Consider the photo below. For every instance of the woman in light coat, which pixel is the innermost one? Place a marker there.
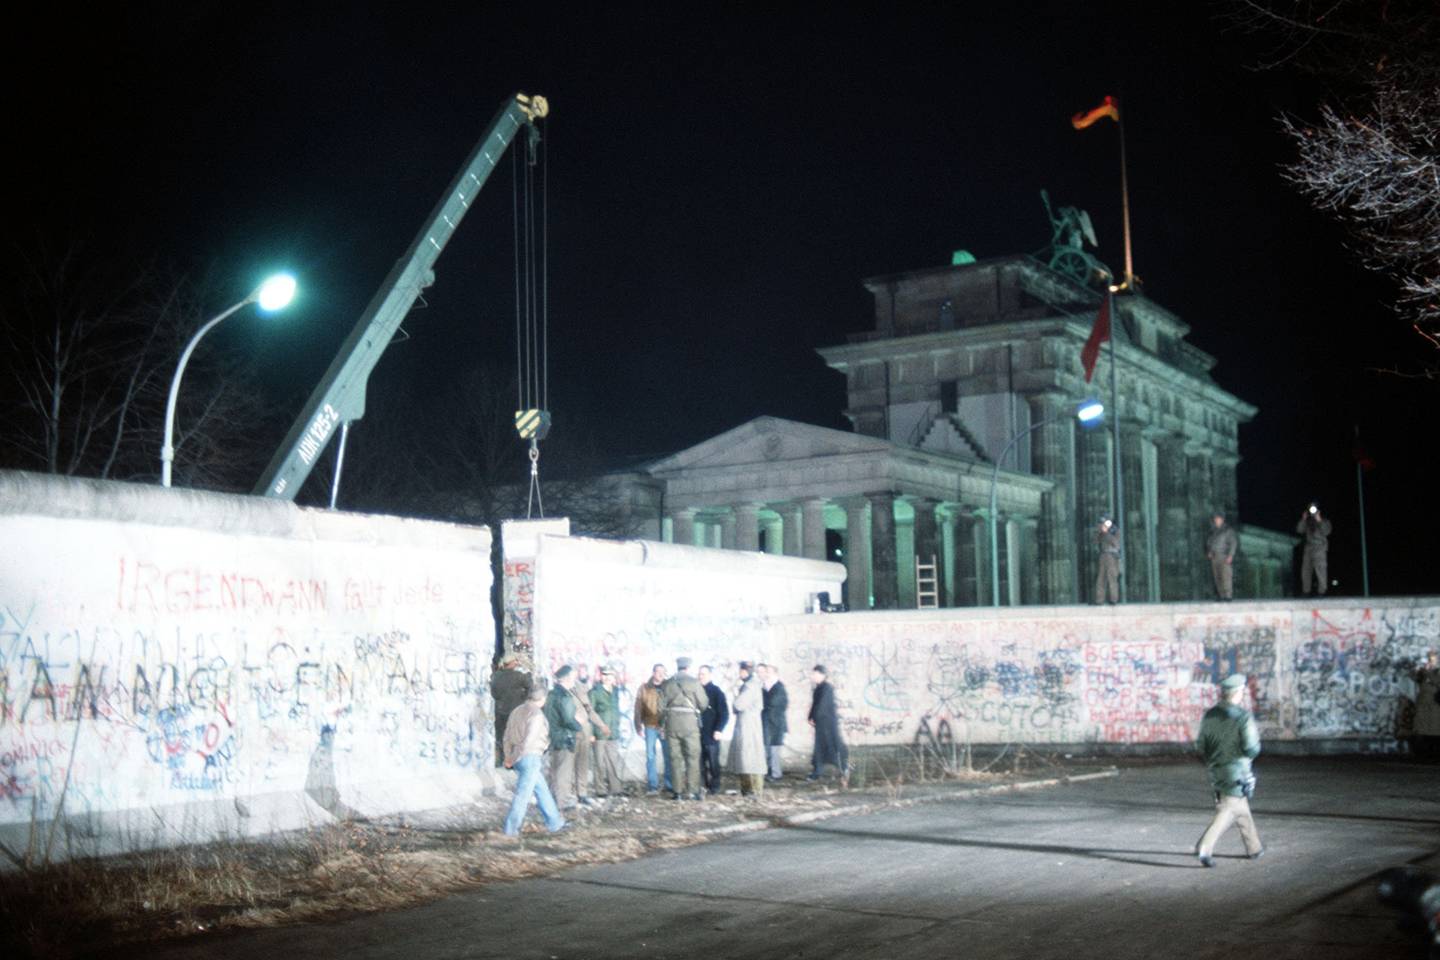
(747, 746)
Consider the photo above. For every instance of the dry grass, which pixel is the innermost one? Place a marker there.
(78, 907)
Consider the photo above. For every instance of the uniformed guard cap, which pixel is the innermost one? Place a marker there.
(1233, 681)
(564, 672)
(682, 663)
(746, 665)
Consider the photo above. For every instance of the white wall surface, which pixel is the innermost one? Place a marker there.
(176, 665)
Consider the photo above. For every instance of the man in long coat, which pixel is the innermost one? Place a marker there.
(829, 748)
(1107, 571)
(747, 743)
(777, 701)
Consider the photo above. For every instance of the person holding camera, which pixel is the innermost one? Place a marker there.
(1228, 741)
(1107, 573)
(1316, 531)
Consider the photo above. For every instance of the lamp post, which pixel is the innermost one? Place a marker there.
(274, 294)
(1088, 412)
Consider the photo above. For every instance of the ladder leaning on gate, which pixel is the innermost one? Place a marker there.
(927, 584)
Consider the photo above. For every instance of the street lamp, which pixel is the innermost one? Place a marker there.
(1088, 412)
(274, 294)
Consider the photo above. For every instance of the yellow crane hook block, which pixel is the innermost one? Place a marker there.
(532, 424)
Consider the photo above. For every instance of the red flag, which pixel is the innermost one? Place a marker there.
(1099, 333)
(1109, 107)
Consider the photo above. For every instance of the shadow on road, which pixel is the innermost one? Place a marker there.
(1095, 853)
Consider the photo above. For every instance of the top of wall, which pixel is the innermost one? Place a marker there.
(651, 553)
(44, 495)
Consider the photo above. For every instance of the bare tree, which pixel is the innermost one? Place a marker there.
(1370, 159)
(90, 344)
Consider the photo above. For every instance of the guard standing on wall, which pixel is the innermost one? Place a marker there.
(1220, 547)
(1107, 573)
(1315, 528)
(1227, 743)
(682, 700)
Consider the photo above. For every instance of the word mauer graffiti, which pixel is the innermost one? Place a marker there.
(143, 668)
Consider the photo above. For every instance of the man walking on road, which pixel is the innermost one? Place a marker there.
(712, 721)
(1227, 743)
(777, 701)
(682, 700)
(527, 737)
(1220, 547)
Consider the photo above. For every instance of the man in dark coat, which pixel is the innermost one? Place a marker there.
(712, 721)
(777, 701)
(829, 748)
(1228, 742)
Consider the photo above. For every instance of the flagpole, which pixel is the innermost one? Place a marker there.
(1125, 205)
(1360, 491)
(1115, 426)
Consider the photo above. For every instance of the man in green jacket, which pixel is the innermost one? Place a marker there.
(569, 741)
(1227, 743)
(605, 718)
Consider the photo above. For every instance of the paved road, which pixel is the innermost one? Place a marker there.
(1096, 869)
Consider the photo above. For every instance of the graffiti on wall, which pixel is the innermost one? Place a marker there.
(132, 678)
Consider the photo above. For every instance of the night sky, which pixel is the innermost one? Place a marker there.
(719, 184)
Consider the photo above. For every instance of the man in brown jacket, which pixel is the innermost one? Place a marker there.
(647, 723)
(527, 737)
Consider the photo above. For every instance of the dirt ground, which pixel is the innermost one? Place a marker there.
(91, 907)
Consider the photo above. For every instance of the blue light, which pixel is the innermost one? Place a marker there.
(1090, 411)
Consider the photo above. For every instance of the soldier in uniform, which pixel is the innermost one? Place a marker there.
(1227, 743)
(682, 700)
(1316, 531)
(1220, 548)
(1107, 575)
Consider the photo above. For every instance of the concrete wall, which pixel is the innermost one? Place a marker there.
(1143, 674)
(1320, 672)
(637, 603)
(176, 665)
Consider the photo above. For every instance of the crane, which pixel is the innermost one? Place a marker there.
(339, 398)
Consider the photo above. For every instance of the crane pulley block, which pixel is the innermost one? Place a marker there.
(532, 424)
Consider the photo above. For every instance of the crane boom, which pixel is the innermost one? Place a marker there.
(340, 395)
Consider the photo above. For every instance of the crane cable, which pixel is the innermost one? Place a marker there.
(532, 306)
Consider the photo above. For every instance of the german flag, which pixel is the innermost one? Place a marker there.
(1109, 107)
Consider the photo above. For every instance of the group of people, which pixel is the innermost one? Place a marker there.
(576, 724)
(1221, 544)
